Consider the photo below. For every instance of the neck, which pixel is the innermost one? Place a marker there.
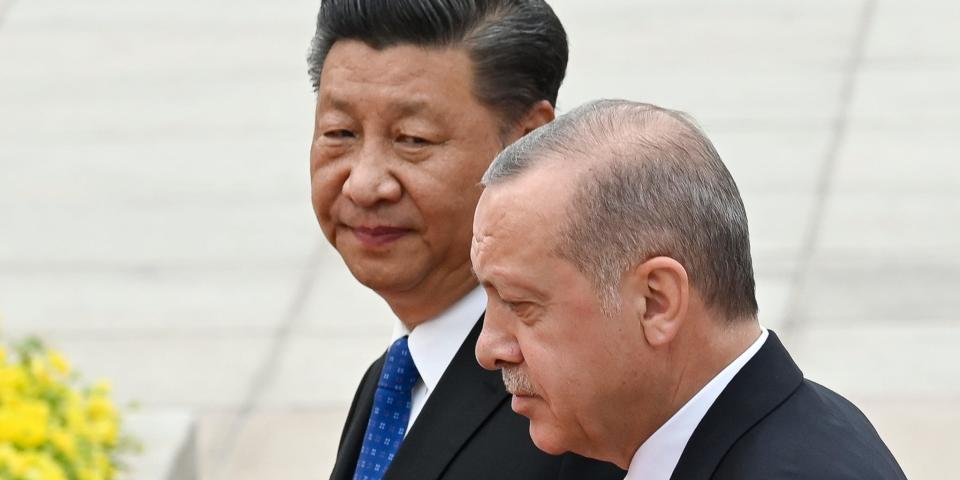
(692, 361)
(430, 299)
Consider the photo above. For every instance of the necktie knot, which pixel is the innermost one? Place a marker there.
(399, 372)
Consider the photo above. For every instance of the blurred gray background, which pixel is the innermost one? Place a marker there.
(155, 220)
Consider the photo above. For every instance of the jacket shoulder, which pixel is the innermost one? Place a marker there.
(814, 434)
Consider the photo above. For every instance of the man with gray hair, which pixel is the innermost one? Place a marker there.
(613, 247)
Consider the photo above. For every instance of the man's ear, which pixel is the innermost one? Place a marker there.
(659, 290)
(540, 114)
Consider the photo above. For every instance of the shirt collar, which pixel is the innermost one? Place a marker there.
(434, 343)
(658, 456)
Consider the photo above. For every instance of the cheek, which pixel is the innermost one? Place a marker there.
(466, 162)
(551, 368)
(445, 198)
(326, 185)
(569, 370)
(566, 402)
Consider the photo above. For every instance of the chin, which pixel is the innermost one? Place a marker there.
(378, 280)
(382, 275)
(548, 442)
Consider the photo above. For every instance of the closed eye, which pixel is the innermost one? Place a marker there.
(518, 308)
(412, 141)
(338, 134)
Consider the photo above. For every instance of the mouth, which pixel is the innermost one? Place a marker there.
(521, 404)
(378, 236)
(524, 395)
(518, 384)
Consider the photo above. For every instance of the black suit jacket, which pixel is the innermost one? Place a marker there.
(771, 423)
(465, 431)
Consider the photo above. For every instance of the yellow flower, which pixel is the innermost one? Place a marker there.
(43, 467)
(65, 443)
(25, 423)
(8, 427)
(90, 474)
(100, 407)
(59, 362)
(12, 380)
(48, 425)
(39, 370)
(102, 387)
(12, 460)
(105, 433)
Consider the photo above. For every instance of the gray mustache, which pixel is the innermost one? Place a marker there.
(517, 382)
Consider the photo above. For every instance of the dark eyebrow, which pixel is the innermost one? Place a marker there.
(332, 102)
(401, 108)
(340, 104)
(409, 108)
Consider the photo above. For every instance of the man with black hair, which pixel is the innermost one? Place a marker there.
(414, 100)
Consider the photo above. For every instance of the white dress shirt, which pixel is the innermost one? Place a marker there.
(434, 343)
(658, 456)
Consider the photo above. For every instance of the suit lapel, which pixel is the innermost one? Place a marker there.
(764, 383)
(356, 426)
(464, 398)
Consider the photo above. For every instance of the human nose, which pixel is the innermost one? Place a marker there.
(370, 180)
(496, 347)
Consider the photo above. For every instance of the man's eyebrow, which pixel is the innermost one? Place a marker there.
(333, 102)
(409, 108)
(527, 287)
(400, 108)
(340, 104)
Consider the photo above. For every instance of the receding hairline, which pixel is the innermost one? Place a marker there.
(615, 124)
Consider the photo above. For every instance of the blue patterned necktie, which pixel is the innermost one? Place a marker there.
(390, 414)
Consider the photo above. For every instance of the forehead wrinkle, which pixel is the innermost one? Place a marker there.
(354, 60)
(403, 86)
(491, 226)
(406, 106)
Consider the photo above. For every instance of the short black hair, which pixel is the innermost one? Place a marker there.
(518, 47)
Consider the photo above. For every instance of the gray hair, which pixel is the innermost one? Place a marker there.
(664, 191)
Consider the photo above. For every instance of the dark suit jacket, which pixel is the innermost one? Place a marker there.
(771, 423)
(465, 431)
